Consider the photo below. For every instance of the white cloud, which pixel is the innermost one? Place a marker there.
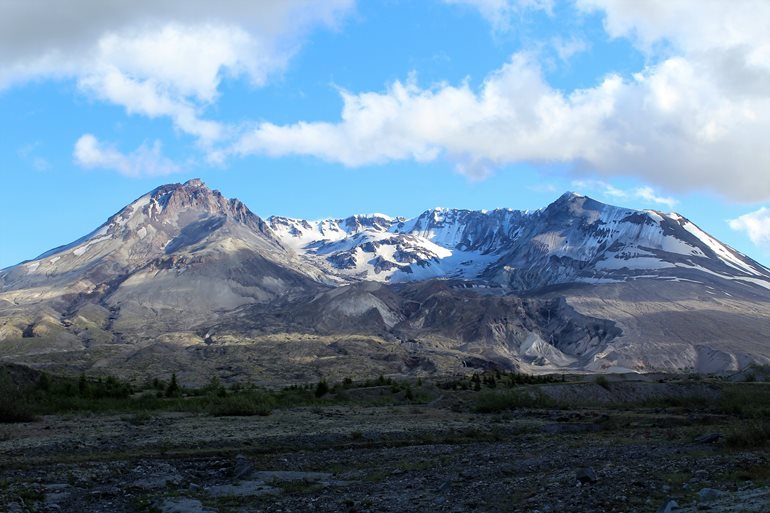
(692, 26)
(159, 57)
(567, 48)
(33, 29)
(695, 118)
(756, 225)
(601, 187)
(645, 193)
(515, 116)
(149, 98)
(147, 160)
(500, 13)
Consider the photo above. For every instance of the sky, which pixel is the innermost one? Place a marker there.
(325, 109)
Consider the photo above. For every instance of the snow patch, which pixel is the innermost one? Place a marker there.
(82, 249)
(725, 254)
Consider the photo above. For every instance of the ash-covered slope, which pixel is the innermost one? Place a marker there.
(173, 257)
(575, 239)
(184, 280)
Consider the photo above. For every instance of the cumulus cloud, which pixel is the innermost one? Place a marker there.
(147, 160)
(159, 57)
(515, 116)
(695, 118)
(756, 225)
(692, 26)
(34, 32)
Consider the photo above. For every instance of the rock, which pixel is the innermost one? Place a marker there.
(290, 475)
(242, 489)
(709, 494)
(242, 467)
(708, 438)
(669, 506)
(586, 475)
(184, 505)
(54, 494)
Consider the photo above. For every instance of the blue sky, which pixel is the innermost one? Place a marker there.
(324, 109)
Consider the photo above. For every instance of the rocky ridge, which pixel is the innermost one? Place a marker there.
(185, 280)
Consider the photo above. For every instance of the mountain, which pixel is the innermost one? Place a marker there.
(180, 252)
(184, 280)
(575, 239)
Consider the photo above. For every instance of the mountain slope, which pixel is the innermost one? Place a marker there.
(181, 253)
(184, 280)
(575, 239)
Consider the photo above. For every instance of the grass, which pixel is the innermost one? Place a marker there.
(65, 395)
(496, 401)
(484, 393)
(15, 410)
(758, 474)
(242, 405)
(746, 399)
(749, 435)
(603, 382)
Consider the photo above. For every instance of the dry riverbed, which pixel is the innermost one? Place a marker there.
(440, 456)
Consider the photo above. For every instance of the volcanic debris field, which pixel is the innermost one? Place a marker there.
(486, 442)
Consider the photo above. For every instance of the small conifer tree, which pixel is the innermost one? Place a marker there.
(172, 390)
(322, 388)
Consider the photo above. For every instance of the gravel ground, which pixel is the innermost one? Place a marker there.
(387, 459)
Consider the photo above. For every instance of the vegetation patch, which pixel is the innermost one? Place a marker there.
(242, 405)
(496, 401)
(749, 435)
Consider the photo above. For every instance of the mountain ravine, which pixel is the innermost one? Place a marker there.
(185, 280)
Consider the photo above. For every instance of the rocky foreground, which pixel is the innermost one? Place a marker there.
(448, 450)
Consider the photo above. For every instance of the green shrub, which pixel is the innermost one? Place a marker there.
(139, 418)
(173, 389)
(750, 400)
(44, 382)
(14, 409)
(241, 405)
(749, 435)
(602, 381)
(14, 403)
(322, 388)
(494, 401)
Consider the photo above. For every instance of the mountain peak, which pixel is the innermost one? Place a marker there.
(572, 203)
(195, 182)
(569, 195)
